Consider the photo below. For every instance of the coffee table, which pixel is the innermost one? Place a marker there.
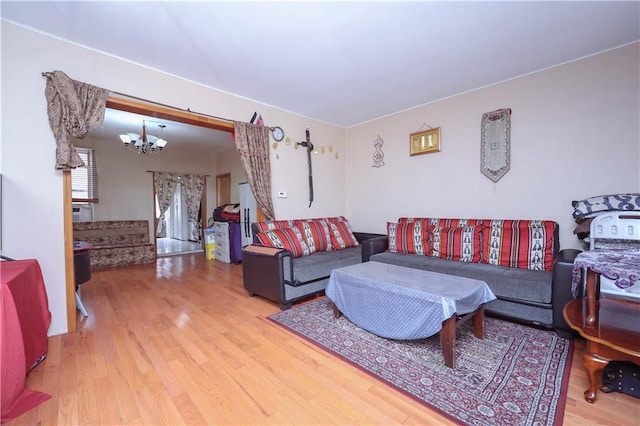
(403, 303)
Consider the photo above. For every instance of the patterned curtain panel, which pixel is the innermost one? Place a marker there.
(74, 108)
(165, 183)
(252, 142)
(192, 186)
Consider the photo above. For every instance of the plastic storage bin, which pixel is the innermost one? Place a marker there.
(209, 243)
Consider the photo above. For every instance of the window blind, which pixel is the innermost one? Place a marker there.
(84, 180)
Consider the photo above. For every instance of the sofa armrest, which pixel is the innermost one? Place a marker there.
(371, 246)
(561, 289)
(363, 236)
(265, 270)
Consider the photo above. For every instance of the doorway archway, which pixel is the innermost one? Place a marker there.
(138, 107)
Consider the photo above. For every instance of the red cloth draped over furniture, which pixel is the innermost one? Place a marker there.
(25, 320)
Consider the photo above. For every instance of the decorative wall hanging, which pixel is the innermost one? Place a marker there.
(495, 153)
(424, 142)
(378, 155)
(307, 144)
(317, 149)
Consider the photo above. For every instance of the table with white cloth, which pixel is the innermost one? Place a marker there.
(24, 322)
(403, 303)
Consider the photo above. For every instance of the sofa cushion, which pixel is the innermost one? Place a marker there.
(525, 244)
(286, 238)
(408, 237)
(276, 224)
(320, 264)
(341, 235)
(316, 233)
(511, 283)
(458, 243)
(445, 222)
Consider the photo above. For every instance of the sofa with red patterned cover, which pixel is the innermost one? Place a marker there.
(291, 260)
(520, 260)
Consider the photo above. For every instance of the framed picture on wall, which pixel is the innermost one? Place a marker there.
(424, 142)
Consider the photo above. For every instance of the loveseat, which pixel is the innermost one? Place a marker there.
(292, 259)
(519, 260)
(116, 242)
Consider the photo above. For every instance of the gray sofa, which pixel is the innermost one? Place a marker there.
(277, 275)
(530, 296)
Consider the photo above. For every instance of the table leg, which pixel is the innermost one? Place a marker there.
(593, 297)
(478, 323)
(594, 365)
(448, 340)
(336, 311)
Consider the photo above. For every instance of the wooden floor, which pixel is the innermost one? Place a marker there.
(180, 342)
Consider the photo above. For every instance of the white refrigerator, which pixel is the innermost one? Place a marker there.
(248, 212)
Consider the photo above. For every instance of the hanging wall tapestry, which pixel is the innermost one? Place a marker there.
(495, 152)
(378, 155)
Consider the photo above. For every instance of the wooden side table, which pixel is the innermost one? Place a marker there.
(609, 325)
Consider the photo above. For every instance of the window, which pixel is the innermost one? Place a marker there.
(84, 180)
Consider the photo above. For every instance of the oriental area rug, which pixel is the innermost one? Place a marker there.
(516, 375)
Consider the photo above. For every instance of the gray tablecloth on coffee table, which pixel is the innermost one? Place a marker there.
(402, 303)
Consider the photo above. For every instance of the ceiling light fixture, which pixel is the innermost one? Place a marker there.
(144, 144)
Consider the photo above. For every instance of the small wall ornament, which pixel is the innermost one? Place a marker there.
(378, 155)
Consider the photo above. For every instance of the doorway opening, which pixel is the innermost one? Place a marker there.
(137, 107)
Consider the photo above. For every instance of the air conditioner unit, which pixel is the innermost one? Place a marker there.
(82, 212)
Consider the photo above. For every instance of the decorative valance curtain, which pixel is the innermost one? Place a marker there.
(252, 142)
(74, 108)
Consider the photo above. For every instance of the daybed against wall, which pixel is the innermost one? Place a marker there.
(293, 259)
(519, 260)
(116, 242)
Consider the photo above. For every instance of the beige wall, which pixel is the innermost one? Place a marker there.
(32, 209)
(575, 134)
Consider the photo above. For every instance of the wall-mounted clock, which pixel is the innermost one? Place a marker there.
(277, 133)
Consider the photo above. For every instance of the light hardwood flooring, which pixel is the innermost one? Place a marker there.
(180, 342)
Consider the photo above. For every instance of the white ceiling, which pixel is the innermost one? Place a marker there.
(343, 63)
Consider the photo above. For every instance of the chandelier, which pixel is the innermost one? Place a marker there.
(144, 143)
